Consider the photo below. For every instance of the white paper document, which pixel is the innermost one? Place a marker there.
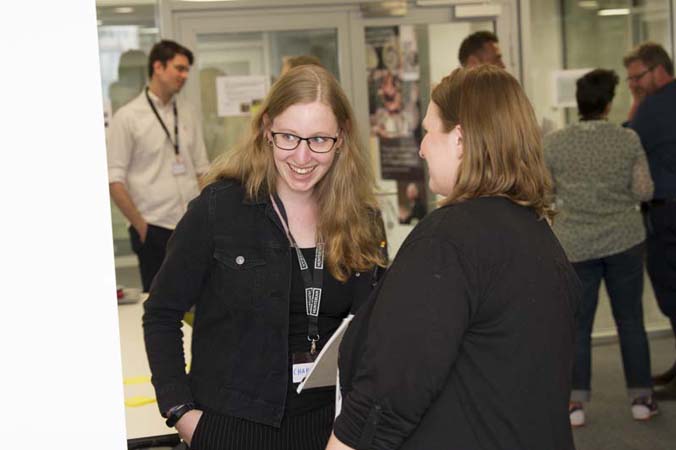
(240, 95)
(325, 369)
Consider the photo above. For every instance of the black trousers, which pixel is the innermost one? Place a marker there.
(660, 222)
(151, 252)
(309, 431)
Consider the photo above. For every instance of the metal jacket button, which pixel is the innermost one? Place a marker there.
(239, 260)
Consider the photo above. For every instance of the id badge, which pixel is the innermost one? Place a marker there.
(301, 365)
(178, 167)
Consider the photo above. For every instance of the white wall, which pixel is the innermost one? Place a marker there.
(444, 41)
(542, 54)
(61, 378)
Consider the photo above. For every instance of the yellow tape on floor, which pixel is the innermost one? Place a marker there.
(146, 378)
(189, 318)
(137, 380)
(134, 402)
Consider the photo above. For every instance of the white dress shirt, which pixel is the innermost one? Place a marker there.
(141, 156)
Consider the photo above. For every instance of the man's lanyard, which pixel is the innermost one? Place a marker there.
(164, 127)
(312, 280)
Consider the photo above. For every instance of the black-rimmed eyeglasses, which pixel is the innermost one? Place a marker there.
(638, 76)
(317, 144)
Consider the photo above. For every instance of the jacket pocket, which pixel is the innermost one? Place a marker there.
(240, 276)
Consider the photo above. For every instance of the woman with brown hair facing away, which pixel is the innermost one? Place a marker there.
(469, 340)
(281, 245)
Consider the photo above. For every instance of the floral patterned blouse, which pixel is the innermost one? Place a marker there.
(601, 175)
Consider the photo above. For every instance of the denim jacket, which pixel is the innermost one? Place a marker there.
(230, 258)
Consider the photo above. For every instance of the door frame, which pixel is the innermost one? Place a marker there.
(182, 21)
(185, 23)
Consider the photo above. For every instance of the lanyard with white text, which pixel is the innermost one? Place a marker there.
(312, 281)
(164, 127)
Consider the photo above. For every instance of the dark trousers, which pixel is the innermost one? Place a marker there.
(308, 431)
(623, 275)
(660, 223)
(151, 252)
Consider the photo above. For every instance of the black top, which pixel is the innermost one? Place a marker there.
(654, 123)
(229, 257)
(468, 343)
(335, 305)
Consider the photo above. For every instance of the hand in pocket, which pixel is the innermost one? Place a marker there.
(187, 424)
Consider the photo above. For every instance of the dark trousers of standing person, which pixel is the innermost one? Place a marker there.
(308, 431)
(623, 276)
(660, 221)
(661, 255)
(151, 252)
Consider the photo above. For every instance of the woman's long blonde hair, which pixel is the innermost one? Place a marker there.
(502, 144)
(349, 222)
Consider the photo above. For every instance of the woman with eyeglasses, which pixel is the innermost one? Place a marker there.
(282, 244)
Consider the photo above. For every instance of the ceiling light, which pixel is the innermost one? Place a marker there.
(614, 12)
(124, 10)
(588, 4)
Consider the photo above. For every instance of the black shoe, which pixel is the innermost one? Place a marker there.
(666, 377)
(666, 392)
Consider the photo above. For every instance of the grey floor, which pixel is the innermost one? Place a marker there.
(609, 423)
(128, 277)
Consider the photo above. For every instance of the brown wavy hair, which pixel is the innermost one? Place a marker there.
(349, 222)
(502, 144)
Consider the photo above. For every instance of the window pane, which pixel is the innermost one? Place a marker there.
(258, 57)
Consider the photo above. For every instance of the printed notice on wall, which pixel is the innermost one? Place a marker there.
(395, 83)
(564, 86)
(240, 95)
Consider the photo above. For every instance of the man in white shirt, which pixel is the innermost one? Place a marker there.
(156, 155)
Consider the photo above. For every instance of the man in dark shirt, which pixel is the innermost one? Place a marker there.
(416, 209)
(481, 47)
(650, 74)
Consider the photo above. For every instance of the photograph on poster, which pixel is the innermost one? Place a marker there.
(394, 107)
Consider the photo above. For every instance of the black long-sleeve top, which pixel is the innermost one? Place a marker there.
(654, 123)
(468, 343)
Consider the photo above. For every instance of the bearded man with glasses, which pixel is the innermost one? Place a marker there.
(650, 74)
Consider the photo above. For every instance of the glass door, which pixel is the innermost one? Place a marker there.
(232, 65)
(240, 52)
(386, 65)
(403, 58)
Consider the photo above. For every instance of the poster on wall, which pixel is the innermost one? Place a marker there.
(240, 95)
(394, 113)
(564, 86)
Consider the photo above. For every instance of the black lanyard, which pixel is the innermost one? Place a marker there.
(312, 280)
(164, 127)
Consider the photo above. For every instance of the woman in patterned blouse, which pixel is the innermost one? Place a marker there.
(601, 174)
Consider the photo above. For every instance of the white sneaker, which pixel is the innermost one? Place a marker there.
(644, 408)
(576, 414)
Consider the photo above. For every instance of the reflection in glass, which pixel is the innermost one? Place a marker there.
(613, 33)
(124, 43)
(248, 55)
(403, 62)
